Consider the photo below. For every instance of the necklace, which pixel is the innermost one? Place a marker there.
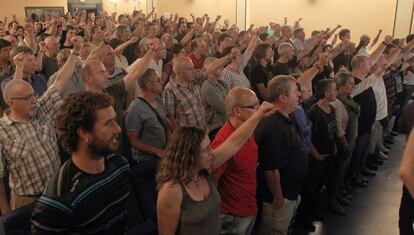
(197, 182)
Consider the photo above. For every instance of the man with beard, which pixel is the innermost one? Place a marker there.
(88, 193)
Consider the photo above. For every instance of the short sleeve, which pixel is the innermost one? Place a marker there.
(169, 103)
(133, 120)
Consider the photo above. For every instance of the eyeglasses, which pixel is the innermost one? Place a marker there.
(254, 106)
(26, 98)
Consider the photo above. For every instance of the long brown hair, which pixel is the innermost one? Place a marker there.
(181, 156)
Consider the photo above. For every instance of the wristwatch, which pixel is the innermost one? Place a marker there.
(75, 52)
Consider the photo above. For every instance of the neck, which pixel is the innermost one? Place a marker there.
(90, 87)
(279, 107)
(87, 163)
(150, 97)
(358, 74)
(283, 59)
(263, 62)
(183, 82)
(324, 104)
(198, 56)
(50, 55)
(16, 117)
(26, 75)
(235, 122)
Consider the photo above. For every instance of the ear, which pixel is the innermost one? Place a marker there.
(83, 135)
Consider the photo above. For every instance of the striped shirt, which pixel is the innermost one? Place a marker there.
(184, 104)
(29, 151)
(239, 79)
(76, 202)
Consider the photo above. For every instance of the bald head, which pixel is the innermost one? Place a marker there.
(14, 88)
(52, 46)
(181, 64)
(236, 97)
(89, 66)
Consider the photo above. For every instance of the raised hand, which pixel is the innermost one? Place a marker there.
(76, 42)
(18, 60)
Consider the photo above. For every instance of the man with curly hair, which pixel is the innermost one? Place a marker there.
(89, 192)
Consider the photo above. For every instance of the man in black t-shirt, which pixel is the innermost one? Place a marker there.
(283, 159)
(286, 64)
(89, 193)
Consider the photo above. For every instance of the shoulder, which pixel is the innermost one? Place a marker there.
(171, 191)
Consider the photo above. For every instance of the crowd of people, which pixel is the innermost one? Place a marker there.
(133, 123)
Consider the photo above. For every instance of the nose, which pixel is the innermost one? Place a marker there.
(117, 128)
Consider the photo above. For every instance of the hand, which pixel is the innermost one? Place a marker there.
(266, 109)
(388, 39)
(76, 42)
(133, 40)
(322, 157)
(338, 26)
(278, 203)
(18, 60)
(218, 17)
(159, 153)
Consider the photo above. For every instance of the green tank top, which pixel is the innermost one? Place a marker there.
(200, 217)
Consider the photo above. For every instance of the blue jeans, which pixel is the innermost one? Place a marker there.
(237, 225)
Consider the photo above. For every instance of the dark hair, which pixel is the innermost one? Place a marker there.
(227, 50)
(20, 49)
(322, 86)
(176, 48)
(115, 42)
(343, 32)
(260, 51)
(70, 27)
(4, 43)
(223, 37)
(78, 111)
(263, 36)
(279, 85)
(409, 38)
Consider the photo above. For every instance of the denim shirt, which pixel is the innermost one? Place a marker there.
(305, 126)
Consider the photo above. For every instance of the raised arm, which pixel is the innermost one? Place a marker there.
(137, 69)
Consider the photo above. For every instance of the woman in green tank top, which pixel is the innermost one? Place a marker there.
(188, 201)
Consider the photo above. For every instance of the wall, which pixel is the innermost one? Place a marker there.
(403, 18)
(124, 6)
(225, 8)
(367, 16)
(8, 7)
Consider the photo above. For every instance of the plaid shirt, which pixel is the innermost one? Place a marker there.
(29, 151)
(185, 104)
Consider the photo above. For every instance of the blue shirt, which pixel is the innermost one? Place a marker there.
(305, 126)
(36, 80)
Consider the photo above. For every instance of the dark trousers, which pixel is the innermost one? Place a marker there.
(340, 166)
(318, 174)
(406, 219)
(359, 155)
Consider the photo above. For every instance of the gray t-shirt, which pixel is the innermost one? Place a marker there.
(141, 118)
(74, 84)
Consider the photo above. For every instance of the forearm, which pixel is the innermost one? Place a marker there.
(252, 44)
(18, 74)
(273, 183)
(146, 148)
(375, 55)
(66, 72)
(212, 67)
(137, 70)
(187, 38)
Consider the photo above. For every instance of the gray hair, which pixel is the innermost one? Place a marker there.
(283, 47)
(278, 86)
(10, 88)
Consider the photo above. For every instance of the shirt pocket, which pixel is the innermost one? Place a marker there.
(16, 148)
